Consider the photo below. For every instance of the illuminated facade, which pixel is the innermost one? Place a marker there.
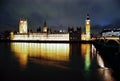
(23, 25)
(83, 36)
(86, 36)
(111, 33)
(45, 34)
(42, 37)
(88, 28)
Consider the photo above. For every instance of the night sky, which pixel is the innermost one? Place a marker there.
(58, 12)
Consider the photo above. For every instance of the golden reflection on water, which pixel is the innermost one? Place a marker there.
(106, 74)
(21, 53)
(85, 51)
(48, 51)
(89, 54)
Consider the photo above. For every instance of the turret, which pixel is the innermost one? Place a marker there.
(45, 28)
(23, 26)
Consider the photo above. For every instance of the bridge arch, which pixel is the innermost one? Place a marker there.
(113, 43)
(110, 40)
(102, 40)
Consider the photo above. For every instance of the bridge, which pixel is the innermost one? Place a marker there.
(108, 42)
(111, 43)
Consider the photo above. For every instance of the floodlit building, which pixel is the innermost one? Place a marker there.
(44, 33)
(23, 25)
(87, 35)
(88, 28)
(109, 33)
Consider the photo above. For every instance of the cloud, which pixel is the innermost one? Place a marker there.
(57, 12)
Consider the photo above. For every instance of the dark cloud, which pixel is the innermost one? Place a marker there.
(59, 12)
(117, 3)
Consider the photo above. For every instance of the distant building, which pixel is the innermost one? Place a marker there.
(109, 32)
(74, 35)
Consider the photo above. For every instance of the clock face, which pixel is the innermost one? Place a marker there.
(87, 22)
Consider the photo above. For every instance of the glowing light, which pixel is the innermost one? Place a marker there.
(83, 50)
(106, 74)
(83, 36)
(87, 29)
(111, 38)
(100, 61)
(42, 36)
(44, 29)
(22, 51)
(86, 51)
(87, 22)
(86, 36)
(93, 51)
(11, 35)
(23, 26)
(87, 57)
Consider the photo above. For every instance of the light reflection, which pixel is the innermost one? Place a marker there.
(86, 54)
(93, 51)
(106, 74)
(90, 55)
(100, 61)
(95, 54)
(52, 51)
(20, 53)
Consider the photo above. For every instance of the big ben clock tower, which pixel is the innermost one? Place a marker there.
(88, 27)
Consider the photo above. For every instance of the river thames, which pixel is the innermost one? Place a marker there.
(55, 62)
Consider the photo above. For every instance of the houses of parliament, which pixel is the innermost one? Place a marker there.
(45, 33)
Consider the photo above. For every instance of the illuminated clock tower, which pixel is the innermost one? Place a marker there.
(23, 26)
(88, 28)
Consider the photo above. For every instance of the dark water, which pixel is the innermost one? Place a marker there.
(53, 62)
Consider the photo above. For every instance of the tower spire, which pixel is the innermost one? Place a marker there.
(88, 17)
(45, 24)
